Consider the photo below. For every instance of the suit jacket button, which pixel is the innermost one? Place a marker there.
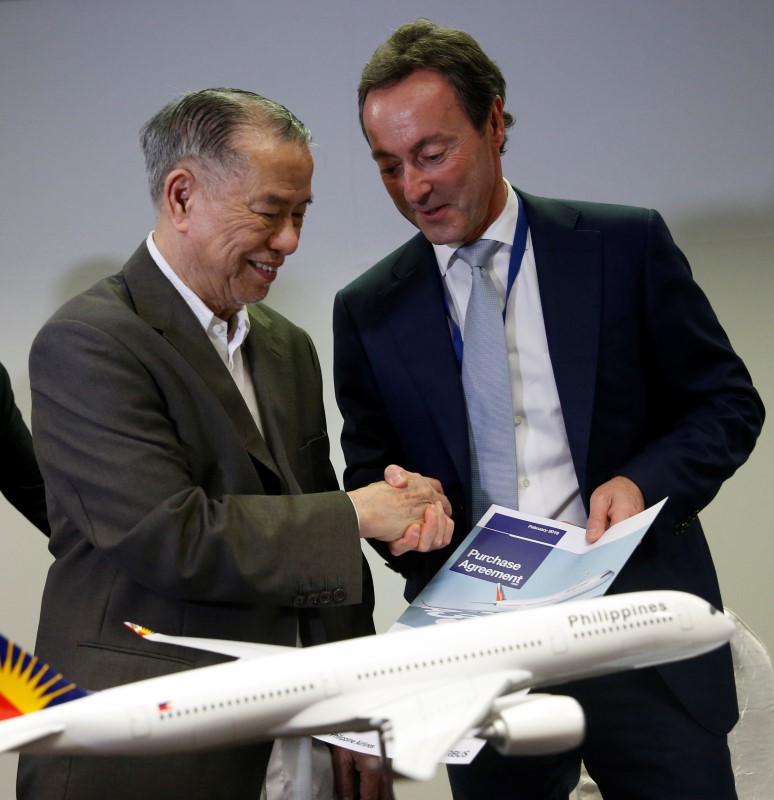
(313, 599)
(339, 596)
(325, 598)
(299, 600)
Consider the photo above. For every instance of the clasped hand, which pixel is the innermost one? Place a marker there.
(406, 509)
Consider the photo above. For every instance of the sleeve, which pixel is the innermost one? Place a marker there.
(703, 414)
(368, 439)
(20, 478)
(143, 464)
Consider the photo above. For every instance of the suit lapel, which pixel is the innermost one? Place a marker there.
(269, 360)
(162, 307)
(569, 269)
(417, 320)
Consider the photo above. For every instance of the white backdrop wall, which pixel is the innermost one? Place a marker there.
(663, 104)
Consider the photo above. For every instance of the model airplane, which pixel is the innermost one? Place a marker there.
(424, 689)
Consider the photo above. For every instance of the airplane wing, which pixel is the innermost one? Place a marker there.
(427, 724)
(425, 721)
(221, 646)
(13, 740)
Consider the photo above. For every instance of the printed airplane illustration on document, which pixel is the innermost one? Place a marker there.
(500, 603)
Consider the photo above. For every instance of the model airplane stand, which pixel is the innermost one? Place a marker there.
(752, 740)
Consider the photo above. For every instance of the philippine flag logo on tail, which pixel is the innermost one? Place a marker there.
(27, 685)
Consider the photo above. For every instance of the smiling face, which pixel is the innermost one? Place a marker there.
(443, 175)
(233, 234)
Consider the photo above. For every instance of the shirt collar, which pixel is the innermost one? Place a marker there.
(204, 314)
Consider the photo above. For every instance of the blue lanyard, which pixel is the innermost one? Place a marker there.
(517, 254)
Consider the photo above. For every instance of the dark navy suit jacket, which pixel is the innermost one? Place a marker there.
(649, 385)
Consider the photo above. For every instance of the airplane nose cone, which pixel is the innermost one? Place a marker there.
(724, 626)
(730, 625)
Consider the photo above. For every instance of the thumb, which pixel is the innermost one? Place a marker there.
(597, 523)
(396, 476)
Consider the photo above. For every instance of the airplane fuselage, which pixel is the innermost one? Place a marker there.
(303, 691)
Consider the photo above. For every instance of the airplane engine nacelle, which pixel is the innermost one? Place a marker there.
(537, 725)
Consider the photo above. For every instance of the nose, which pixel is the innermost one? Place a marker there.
(285, 237)
(416, 187)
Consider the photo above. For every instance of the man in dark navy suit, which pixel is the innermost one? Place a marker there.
(624, 389)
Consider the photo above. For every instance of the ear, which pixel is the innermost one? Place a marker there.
(496, 124)
(179, 188)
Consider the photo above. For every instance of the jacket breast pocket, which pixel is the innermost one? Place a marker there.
(104, 666)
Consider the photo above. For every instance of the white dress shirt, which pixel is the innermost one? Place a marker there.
(548, 485)
(230, 351)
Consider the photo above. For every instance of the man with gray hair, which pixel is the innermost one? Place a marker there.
(181, 434)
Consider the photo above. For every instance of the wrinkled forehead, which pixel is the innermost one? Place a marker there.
(275, 169)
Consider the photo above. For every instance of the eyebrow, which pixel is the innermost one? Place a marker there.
(432, 139)
(277, 200)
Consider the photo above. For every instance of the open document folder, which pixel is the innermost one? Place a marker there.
(513, 560)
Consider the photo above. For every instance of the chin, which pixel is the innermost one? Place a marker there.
(259, 292)
(436, 236)
(253, 298)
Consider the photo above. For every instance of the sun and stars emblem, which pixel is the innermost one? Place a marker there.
(27, 685)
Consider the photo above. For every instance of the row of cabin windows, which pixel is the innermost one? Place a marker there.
(238, 701)
(623, 626)
(435, 662)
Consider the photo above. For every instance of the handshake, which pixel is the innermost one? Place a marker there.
(407, 510)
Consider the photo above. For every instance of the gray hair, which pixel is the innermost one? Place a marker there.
(202, 126)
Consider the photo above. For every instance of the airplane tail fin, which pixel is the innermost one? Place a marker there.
(27, 685)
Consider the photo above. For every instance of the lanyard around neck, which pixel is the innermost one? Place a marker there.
(517, 254)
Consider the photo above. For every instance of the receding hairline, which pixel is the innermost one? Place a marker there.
(205, 128)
